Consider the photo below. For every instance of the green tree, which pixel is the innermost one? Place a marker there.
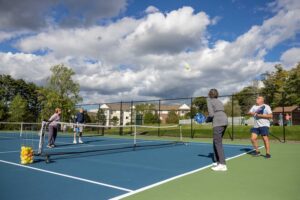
(101, 118)
(292, 87)
(236, 108)
(10, 87)
(275, 85)
(115, 120)
(144, 108)
(3, 111)
(246, 98)
(199, 105)
(173, 118)
(62, 83)
(90, 117)
(150, 118)
(49, 100)
(18, 109)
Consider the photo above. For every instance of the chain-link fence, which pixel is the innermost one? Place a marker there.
(184, 111)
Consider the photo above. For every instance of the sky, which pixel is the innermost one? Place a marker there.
(149, 49)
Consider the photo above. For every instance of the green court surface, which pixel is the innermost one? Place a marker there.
(248, 177)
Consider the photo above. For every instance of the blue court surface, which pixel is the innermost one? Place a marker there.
(104, 171)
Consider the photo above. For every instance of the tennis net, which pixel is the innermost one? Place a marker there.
(100, 139)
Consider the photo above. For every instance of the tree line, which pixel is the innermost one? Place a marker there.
(28, 102)
(22, 101)
(280, 87)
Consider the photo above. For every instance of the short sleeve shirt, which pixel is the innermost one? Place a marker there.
(260, 122)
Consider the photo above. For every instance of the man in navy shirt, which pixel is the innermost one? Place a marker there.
(78, 127)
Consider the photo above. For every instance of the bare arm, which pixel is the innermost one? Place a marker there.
(251, 113)
(265, 116)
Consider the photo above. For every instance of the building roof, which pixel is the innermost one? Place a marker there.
(172, 107)
(127, 106)
(116, 106)
(286, 109)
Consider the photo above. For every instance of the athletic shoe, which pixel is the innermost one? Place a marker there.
(268, 155)
(49, 146)
(214, 164)
(220, 167)
(80, 141)
(52, 145)
(74, 142)
(256, 153)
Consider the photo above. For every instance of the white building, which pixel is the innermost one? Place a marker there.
(112, 110)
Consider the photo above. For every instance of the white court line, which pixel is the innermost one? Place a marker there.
(3, 152)
(8, 137)
(67, 176)
(225, 145)
(173, 178)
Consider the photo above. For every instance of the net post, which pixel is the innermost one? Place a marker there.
(21, 129)
(180, 129)
(98, 130)
(283, 115)
(134, 136)
(232, 121)
(121, 118)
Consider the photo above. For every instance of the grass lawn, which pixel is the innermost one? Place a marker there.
(247, 178)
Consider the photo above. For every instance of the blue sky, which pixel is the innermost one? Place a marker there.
(234, 17)
(139, 49)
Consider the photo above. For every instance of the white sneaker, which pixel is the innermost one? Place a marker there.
(220, 167)
(80, 141)
(214, 164)
(74, 142)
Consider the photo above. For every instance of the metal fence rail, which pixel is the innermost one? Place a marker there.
(171, 111)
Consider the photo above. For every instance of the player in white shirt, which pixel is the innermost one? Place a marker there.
(262, 114)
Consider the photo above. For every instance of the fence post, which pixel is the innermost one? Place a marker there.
(131, 114)
(158, 130)
(121, 118)
(191, 110)
(98, 130)
(283, 115)
(232, 121)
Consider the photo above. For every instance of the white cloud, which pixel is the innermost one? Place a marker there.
(145, 58)
(34, 15)
(174, 32)
(29, 67)
(284, 5)
(7, 35)
(151, 9)
(291, 57)
(4, 36)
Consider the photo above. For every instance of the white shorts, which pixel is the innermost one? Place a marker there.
(78, 128)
